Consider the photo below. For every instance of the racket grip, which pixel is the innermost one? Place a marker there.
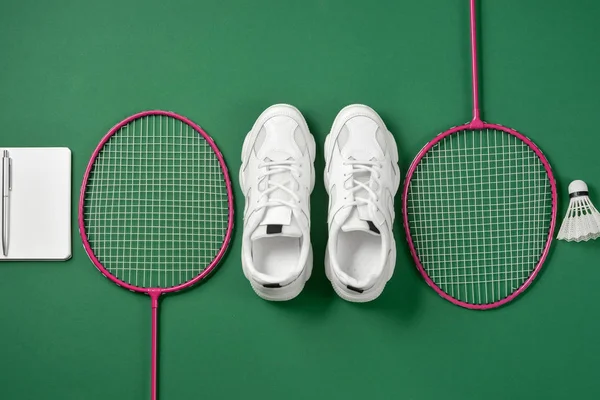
(153, 375)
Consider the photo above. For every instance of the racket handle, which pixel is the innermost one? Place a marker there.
(153, 378)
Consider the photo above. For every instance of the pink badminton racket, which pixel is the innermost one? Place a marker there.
(156, 208)
(479, 204)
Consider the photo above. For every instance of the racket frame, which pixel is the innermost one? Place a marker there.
(477, 124)
(156, 292)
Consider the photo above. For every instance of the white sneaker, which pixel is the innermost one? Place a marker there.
(277, 176)
(362, 178)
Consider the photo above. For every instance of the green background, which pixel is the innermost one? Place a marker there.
(70, 70)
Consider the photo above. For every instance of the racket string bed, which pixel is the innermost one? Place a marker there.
(478, 207)
(157, 201)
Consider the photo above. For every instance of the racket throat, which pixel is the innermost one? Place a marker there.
(154, 295)
(476, 123)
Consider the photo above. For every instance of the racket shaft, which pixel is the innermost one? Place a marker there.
(475, 79)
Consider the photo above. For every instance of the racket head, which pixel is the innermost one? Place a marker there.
(432, 255)
(207, 167)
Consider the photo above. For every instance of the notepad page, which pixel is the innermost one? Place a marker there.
(40, 204)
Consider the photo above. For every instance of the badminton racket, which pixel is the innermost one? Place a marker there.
(156, 208)
(479, 205)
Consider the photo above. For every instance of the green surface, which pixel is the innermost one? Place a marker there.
(70, 70)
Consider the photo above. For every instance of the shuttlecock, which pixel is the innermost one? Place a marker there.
(582, 221)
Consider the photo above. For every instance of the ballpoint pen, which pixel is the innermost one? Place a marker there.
(6, 187)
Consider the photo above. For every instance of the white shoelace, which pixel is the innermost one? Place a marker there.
(373, 168)
(277, 167)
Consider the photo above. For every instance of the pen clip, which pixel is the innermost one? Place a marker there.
(10, 174)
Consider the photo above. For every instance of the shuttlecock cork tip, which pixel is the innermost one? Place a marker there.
(578, 188)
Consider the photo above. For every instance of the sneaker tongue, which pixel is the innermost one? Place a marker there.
(359, 220)
(278, 221)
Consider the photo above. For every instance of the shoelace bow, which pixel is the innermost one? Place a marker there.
(277, 167)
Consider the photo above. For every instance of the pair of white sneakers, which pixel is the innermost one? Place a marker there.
(277, 177)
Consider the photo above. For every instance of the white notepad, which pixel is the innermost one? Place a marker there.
(39, 204)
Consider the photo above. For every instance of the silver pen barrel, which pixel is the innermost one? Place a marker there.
(5, 189)
(5, 226)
